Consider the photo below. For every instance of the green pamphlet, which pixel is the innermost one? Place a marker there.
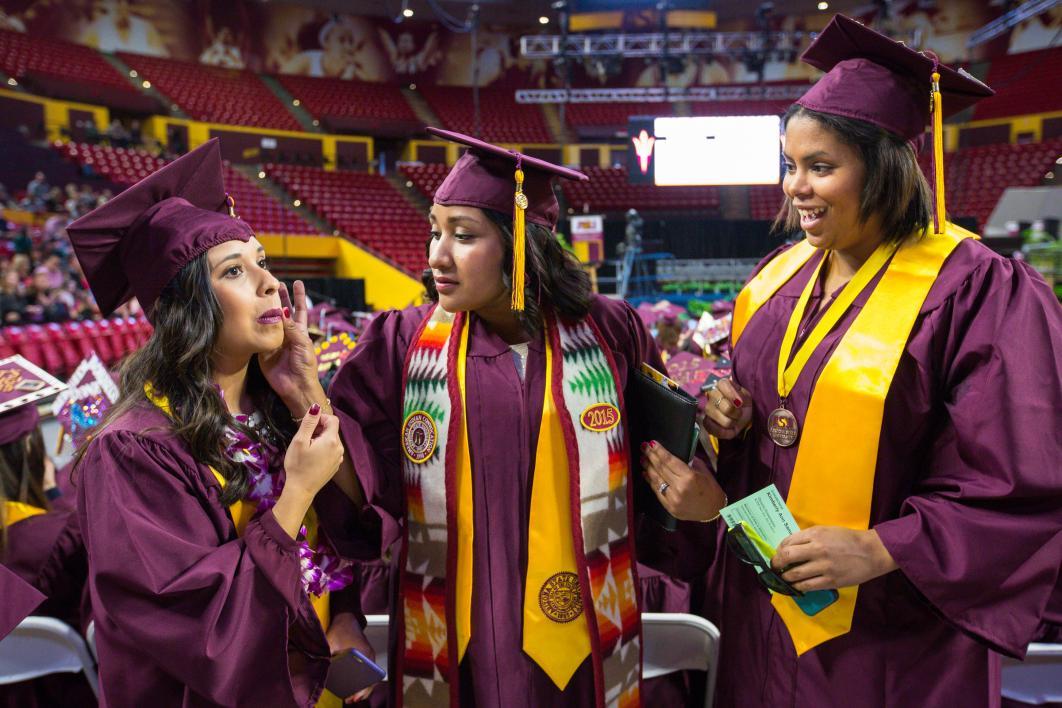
(766, 514)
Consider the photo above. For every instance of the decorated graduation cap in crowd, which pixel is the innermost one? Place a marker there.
(136, 243)
(492, 177)
(90, 391)
(22, 385)
(873, 78)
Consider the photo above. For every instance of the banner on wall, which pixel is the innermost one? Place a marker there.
(588, 237)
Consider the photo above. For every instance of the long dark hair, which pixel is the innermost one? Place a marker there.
(553, 277)
(22, 476)
(176, 363)
(895, 188)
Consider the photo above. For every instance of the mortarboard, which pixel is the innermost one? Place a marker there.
(492, 177)
(137, 242)
(876, 79)
(22, 385)
(91, 390)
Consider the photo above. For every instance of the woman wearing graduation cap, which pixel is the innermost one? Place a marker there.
(906, 385)
(210, 581)
(487, 432)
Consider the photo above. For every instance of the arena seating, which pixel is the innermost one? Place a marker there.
(354, 105)
(58, 348)
(126, 166)
(426, 178)
(609, 190)
(591, 120)
(213, 94)
(1022, 84)
(365, 206)
(68, 70)
(502, 119)
(764, 201)
(759, 107)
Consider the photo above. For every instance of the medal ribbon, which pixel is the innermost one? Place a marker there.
(788, 375)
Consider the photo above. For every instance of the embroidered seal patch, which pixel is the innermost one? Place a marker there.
(419, 436)
(560, 598)
(600, 417)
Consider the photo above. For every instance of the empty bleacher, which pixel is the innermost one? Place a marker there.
(610, 190)
(67, 70)
(125, 166)
(1024, 83)
(502, 119)
(765, 201)
(58, 348)
(365, 206)
(426, 178)
(344, 105)
(212, 94)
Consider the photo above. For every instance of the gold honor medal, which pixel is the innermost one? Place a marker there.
(782, 427)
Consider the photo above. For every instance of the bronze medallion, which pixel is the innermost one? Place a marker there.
(560, 598)
(782, 427)
(419, 437)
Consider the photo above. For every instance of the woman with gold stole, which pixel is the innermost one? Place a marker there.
(487, 431)
(40, 539)
(906, 386)
(210, 582)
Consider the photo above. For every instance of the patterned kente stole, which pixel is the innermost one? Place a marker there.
(582, 426)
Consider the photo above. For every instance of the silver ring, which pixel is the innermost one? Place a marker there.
(719, 402)
(663, 487)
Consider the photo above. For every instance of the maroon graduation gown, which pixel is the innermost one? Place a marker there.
(47, 552)
(187, 613)
(504, 414)
(20, 600)
(967, 499)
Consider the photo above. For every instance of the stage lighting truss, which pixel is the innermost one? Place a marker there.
(750, 92)
(659, 44)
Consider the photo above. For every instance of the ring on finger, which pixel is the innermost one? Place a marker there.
(719, 402)
(664, 486)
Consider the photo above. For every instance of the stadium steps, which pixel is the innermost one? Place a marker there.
(421, 108)
(274, 190)
(122, 68)
(408, 190)
(301, 114)
(561, 133)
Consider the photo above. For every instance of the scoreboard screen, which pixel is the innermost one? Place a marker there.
(709, 150)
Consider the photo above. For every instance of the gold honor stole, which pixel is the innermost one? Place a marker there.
(243, 511)
(580, 552)
(833, 485)
(17, 511)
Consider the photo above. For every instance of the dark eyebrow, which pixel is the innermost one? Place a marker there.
(231, 256)
(808, 158)
(457, 218)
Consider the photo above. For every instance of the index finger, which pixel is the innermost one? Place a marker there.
(301, 312)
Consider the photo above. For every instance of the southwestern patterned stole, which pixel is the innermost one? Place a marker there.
(584, 388)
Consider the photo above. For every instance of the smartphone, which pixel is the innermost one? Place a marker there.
(350, 672)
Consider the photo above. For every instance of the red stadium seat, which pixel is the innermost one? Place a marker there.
(67, 350)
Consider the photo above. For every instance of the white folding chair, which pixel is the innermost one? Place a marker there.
(1038, 679)
(679, 642)
(672, 642)
(39, 646)
(90, 641)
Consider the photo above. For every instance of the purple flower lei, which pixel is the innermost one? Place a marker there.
(322, 568)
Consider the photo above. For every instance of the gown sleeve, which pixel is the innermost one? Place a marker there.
(981, 536)
(366, 396)
(170, 577)
(20, 600)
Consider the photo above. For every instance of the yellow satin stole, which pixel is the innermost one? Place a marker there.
(832, 483)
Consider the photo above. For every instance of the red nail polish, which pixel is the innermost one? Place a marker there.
(737, 402)
(315, 409)
(287, 312)
(653, 444)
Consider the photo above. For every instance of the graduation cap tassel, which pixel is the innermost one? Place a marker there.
(938, 154)
(519, 242)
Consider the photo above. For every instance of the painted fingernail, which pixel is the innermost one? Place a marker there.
(737, 402)
(653, 444)
(287, 312)
(644, 446)
(315, 409)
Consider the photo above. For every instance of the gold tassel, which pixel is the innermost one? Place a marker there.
(519, 242)
(939, 215)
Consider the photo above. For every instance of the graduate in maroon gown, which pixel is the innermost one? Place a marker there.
(487, 432)
(40, 539)
(903, 385)
(210, 581)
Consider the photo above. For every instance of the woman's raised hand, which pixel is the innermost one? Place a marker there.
(291, 370)
(729, 410)
(315, 452)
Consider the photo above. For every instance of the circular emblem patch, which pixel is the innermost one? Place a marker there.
(419, 436)
(600, 417)
(560, 598)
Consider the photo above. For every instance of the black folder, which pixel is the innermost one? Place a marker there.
(658, 410)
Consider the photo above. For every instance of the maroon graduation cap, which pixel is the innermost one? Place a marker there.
(137, 242)
(492, 177)
(876, 79)
(22, 386)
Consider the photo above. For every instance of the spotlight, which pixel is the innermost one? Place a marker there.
(316, 122)
(295, 102)
(261, 174)
(824, 5)
(132, 73)
(12, 82)
(146, 84)
(543, 20)
(297, 202)
(408, 12)
(412, 87)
